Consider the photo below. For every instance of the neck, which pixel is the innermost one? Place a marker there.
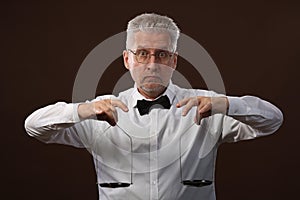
(151, 95)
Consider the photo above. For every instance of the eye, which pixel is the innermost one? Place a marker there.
(162, 54)
(142, 53)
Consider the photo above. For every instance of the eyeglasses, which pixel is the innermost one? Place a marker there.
(144, 55)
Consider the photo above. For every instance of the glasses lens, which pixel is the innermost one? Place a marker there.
(142, 55)
(161, 56)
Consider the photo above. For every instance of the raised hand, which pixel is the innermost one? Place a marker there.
(104, 110)
(206, 106)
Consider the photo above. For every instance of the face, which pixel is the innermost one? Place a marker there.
(151, 62)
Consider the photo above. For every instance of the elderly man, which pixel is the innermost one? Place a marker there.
(155, 140)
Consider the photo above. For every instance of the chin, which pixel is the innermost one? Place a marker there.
(152, 87)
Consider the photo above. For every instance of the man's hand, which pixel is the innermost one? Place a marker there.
(206, 106)
(103, 110)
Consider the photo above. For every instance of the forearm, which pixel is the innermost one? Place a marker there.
(69, 123)
(255, 112)
(51, 119)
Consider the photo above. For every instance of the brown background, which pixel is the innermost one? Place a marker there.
(254, 43)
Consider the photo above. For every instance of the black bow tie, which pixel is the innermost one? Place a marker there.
(144, 106)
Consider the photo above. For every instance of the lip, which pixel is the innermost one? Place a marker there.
(152, 78)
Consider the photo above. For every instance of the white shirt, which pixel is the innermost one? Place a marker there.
(161, 140)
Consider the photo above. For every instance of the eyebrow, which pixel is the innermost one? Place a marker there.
(162, 48)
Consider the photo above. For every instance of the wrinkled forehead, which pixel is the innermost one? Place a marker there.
(152, 40)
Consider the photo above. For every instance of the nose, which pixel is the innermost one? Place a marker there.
(152, 58)
(152, 64)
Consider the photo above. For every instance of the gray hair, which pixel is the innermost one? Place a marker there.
(151, 22)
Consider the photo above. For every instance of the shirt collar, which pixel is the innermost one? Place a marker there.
(170, 92)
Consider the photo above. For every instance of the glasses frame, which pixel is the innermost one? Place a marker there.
(171, 54)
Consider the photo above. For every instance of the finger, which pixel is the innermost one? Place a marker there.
(106, 111)
(198, 116)
(197, 119)
(182, 102)
(119, 104)
(112, 112)
(96, 108)
(104, 117)
(188, 106)
(203, 110)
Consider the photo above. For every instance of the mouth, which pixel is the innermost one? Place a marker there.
(152, 79)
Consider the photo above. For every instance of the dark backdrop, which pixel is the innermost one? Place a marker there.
(254, 43)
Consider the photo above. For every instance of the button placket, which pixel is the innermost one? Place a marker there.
(153, 155)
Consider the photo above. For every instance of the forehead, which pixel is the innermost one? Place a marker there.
(152, 40)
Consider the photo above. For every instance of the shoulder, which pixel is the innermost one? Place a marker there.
(189, 92)
(126, 93)
(122, 95)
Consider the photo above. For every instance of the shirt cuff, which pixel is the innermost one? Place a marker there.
(75, 113)
(72, 111)
(237, 106)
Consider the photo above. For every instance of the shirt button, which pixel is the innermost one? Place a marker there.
(154, 182)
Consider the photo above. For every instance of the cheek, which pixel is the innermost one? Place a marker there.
(133, 65)
(131, 61)
(166, 73)
(136, 74)
(136, 71)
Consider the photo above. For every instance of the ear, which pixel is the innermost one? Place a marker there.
(125, 59)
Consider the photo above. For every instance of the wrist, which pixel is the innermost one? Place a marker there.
(85, 111)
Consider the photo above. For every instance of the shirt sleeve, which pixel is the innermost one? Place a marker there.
(60, 123)
(249, 117)
(57, 123)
